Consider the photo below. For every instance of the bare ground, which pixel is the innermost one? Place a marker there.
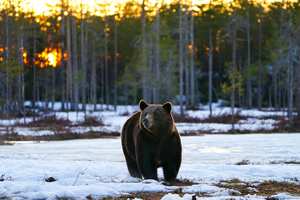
(63, 136)
(266, 189)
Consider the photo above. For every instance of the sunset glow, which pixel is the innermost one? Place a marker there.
(1, 54)
(50, 57)
(96, 7)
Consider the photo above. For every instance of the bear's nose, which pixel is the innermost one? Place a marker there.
(146, 122)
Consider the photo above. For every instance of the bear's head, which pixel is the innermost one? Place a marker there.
(156, 118)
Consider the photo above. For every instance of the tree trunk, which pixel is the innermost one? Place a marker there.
(102, 82)
(169, 65)
(233, 70)
(290, 85)
(210, 72)
(69, 73)
(185, 55)
(53, 88)
(94, 78)
(192, 62)
(151, 67)
(63, 63)
(275, 86)
(181, 68)
(34, 85)
(83, 64)
(297, 79)
(156, 94)
(248, 81)
(7, 43)
(21, 71)
(75, 97)
(106, 84)
(115, 64)
(144, 53)
(260, 71)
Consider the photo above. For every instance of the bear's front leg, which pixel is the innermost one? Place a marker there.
(132, 167)
(145, 161)
(170, 171)
(171, 156)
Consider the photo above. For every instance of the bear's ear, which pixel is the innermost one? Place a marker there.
(168, 106)
(143, 104)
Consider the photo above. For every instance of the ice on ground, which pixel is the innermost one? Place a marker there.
(285, 196)
(177, 197)
(281, 196)
(203, 188)
(97, 167)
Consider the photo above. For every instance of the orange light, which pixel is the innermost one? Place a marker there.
(50, 57)
(1, 56)
(66, 56)
(25, 58)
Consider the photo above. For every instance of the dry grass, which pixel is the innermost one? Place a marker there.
(49, 121)
(91, 121)
(2, 142)
(26, 113)
(155, 195)
(243, 162)
(275, 162)
(141, 195)
(222, 119)
(273, 187)
(284, 125)
(62, 136)
(184, 182)
(60, 127)
(289, 162)
(267, 188)
(126, 114)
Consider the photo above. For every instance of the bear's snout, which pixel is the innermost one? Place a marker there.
(146, 123)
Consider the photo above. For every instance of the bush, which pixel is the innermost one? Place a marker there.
(222, 119)
(92, 121)
(47, 121)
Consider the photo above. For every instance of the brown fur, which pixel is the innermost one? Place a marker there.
(150, 140)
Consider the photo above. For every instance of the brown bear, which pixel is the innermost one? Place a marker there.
(150, 140)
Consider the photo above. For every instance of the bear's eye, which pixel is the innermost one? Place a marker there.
(158, 112)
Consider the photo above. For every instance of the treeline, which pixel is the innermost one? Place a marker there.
(243, 52)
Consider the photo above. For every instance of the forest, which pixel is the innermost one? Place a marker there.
(246, 53)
